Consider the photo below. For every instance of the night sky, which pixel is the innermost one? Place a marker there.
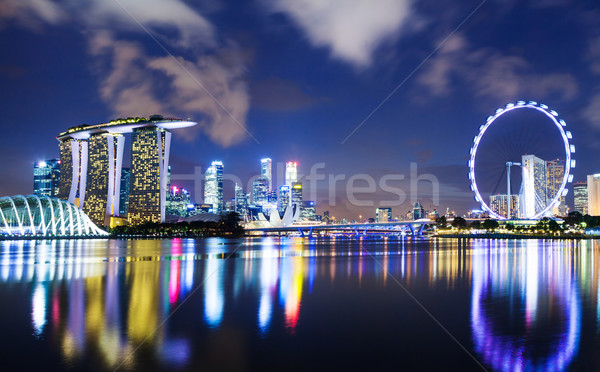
(292, 79)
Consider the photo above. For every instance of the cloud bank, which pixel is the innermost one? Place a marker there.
(204, 79)
(351, 29)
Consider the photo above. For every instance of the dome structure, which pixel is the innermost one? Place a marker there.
(45, 216)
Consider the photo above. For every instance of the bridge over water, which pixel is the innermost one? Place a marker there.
(414, 228)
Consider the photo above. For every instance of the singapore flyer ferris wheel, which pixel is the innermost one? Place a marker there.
(533, 142)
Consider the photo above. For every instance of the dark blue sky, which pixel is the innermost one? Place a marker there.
(300, 76)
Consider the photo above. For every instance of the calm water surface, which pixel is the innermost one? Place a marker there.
(299, 304)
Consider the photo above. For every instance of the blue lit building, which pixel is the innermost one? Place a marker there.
(213, 188)
(46, 177)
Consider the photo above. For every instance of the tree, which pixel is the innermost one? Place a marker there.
(490, 224)
(441, 222)
(554, 226)
(574, 218)
(509, 227)
(459, 223)
(475, 225)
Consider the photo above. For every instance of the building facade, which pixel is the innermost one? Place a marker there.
(555, 172)
(150, 147)
(266, 171)
(383, 214)
(291, 172)
(213, 187)
(46, 177)
(580, 192)
(593, 194)
(499, 205)
(283, 201)
(260, 191)
(533, 199)
(124, 193)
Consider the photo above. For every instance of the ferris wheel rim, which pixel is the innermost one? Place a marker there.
(568, 148)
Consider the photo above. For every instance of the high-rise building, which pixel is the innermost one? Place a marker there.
(91, 157)
(296, 194)
(73, 169)
(213, 187)
(124, 194)
(499, 204)
(418, 211)
(533, 200)
(308, 211)
(260, 191)
(383, 214)
(593, 193)
(580, 191)
(266, 171)
(241, 202)
(150, 147)
(555, 172)
(272, 197)
(284, 198)
(291, 172)
(178, 202)
(103, 186)
(46, 177)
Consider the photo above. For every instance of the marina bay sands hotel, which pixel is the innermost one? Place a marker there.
(91, 158)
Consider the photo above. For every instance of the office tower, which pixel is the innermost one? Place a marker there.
(100, 175)
(178, 201)
(272, 197)
(241, 202)
(46, 177)
(150, 147)
(296, 194)
(555, 171)
(266, 171)
(580, 191)
(124, 194)
(260, 191)
(593, 194)
(73, 169)
(283, 201)
(213, 187)
(499, 203)
(418, 212)
(308, 211)
(291, 172)
(533, 200)
(105, 153)
(383, 214)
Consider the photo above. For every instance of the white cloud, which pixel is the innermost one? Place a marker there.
(351, 29)
(489, 73)
(133, 82)
(591, 112)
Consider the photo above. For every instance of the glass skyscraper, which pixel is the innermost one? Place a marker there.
(266, 171)
(291, 172)
(499, 203)
(241, 202)
(284, 198)
(535, 184)
(213, 187)
(383, 214)
(581, 197)
(124, 193)
(260, 191)
(296, 194)
(46, 177)
(555, 171)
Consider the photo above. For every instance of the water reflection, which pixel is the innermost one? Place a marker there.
(105, 298)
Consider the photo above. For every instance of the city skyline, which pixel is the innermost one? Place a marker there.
(288, 110)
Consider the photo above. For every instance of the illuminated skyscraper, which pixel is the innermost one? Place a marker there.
(296, 194)
(260, 191)
(150, 147)
(266, 171)
(283, 201)
(555, 171)
(105, 154)
(291, 172)
(593, 194)
(581, 197)
(100, 176)
(73, 169)
(534, 174)
(498, 204)
(178, 201)
(213, 187)
(124, 194)
(241, 202)
(46, 177)
(383, 214)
